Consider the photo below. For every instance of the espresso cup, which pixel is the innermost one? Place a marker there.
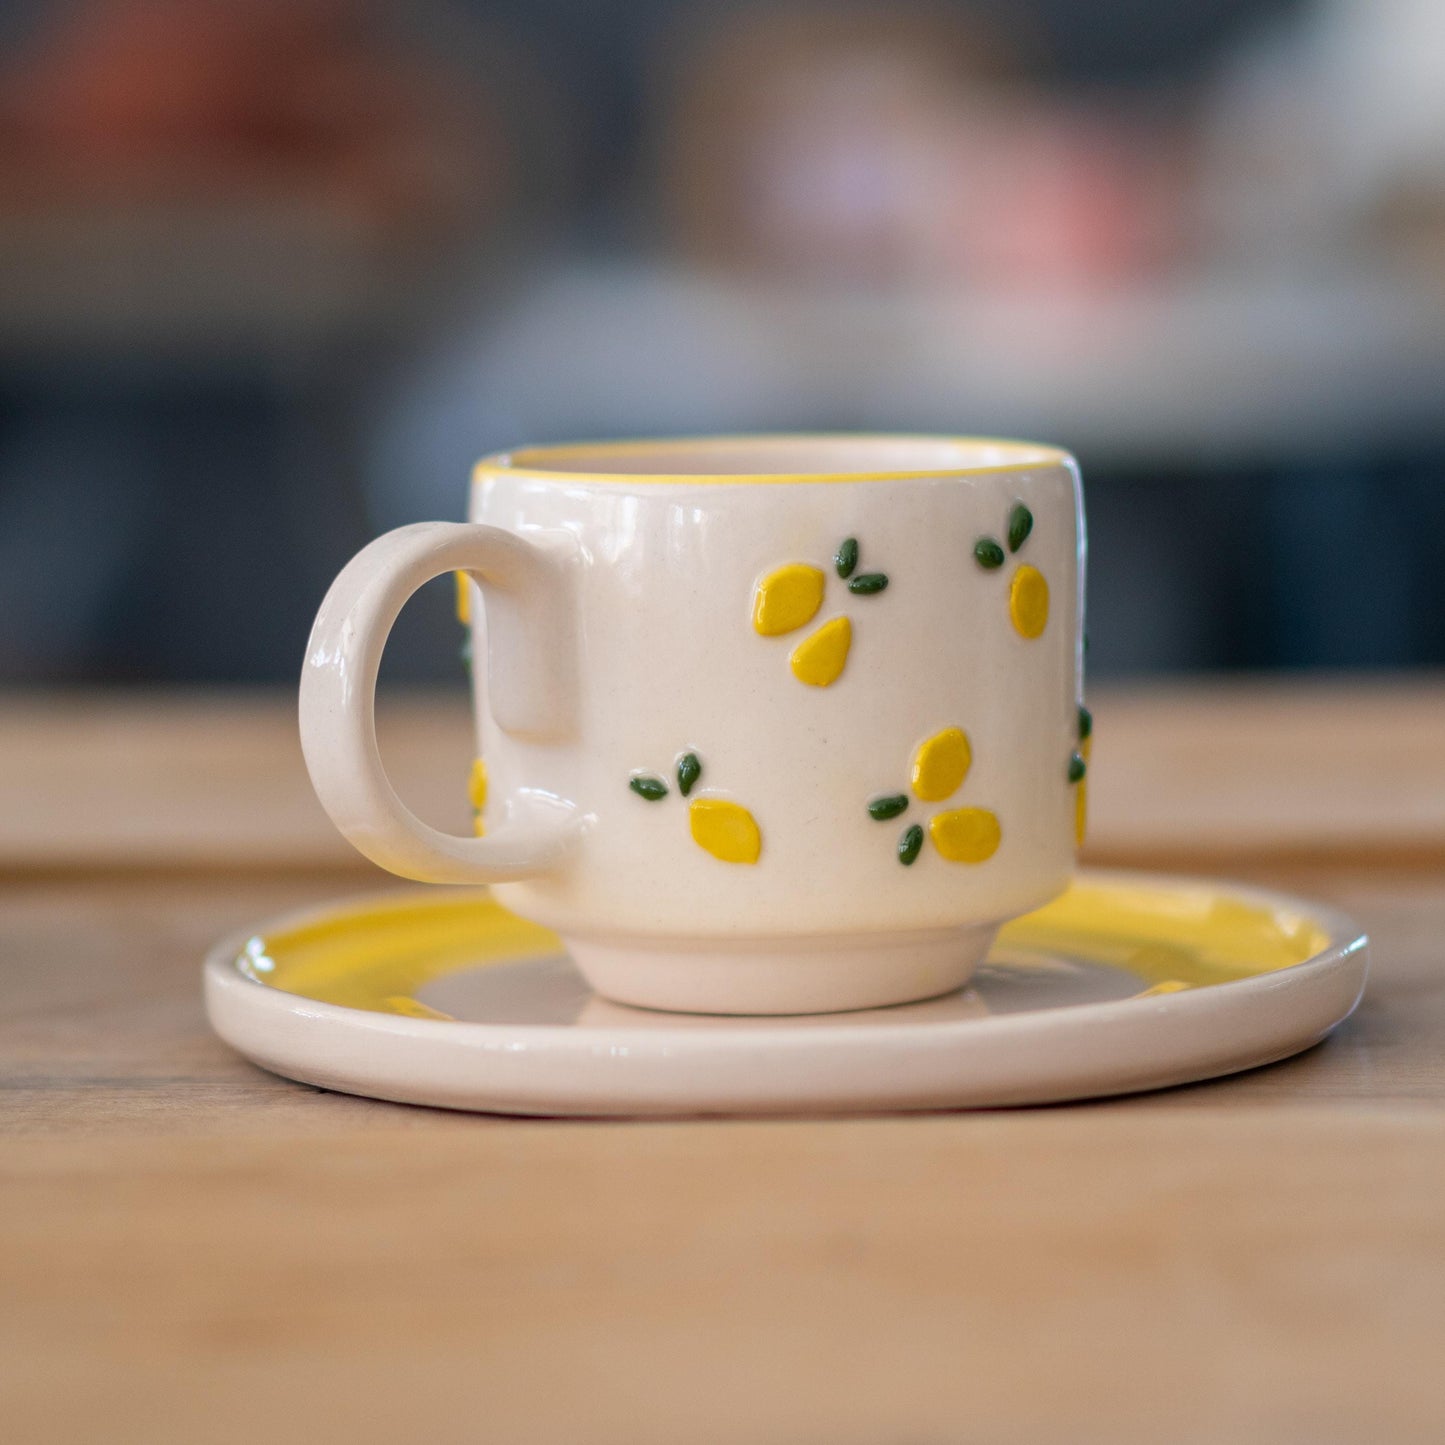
(764, 724)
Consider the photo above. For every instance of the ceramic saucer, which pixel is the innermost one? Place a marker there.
(1127, 982)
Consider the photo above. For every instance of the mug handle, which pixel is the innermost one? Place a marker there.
(529, 591)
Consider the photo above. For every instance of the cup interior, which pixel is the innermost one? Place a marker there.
(801, 458)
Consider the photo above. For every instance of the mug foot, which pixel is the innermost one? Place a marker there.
(829, 974)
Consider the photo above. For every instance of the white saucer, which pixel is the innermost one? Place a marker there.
(1127, 982)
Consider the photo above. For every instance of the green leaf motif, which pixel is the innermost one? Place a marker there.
(910, 845)
(987, 553)
(867, 583)
(649, 786)
(689, 770)
(1077, 767)
(1020, 524)
(847, 558)
(1086, 723)
(882, 809)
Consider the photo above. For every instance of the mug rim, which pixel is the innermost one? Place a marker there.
(587, 462)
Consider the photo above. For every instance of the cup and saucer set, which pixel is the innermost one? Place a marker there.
(782, 765)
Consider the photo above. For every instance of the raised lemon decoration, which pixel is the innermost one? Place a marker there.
(940, 764)
(719, 826)
(725, 829)
(962, 835)
(819, 658)
(787, 598)
(477, 784)
(477, 795)
(1028, 602)
(1028, 593)
(1078, 774)
(966, 835)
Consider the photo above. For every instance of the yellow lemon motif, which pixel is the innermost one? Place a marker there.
(965, 835)
(726, 830)
(1081, 796)
(477, 795)
(941, 764)
(464, 598)
(819, 659)
(414, 1008)
(1028, 601)
(1168, 985)
(787, 598)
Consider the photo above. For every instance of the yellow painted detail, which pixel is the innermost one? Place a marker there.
(477, 784)
(1196, 933)
(369, 954)
(477, 794)
(966, 835)
(413, 1008)
(464, 598)
(941, 764)
(1028, 601)
(726, 830)
(787, 598)
(548, 461)
(1165, 985)
(1081, 795)
(820, 657)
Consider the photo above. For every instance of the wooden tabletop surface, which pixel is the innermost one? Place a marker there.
(193, 1250)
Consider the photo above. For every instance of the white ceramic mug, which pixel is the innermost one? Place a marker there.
(769, 724)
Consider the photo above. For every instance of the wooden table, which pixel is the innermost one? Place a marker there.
(195, 1251)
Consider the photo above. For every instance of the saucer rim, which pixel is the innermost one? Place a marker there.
(1280, 1012)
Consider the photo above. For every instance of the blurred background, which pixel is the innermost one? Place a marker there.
(273, 273)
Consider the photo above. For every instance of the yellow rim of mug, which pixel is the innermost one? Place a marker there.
(549, 463)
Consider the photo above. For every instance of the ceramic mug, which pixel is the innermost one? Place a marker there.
(764, 724)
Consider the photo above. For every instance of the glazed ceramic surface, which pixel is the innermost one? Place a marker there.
(770, 725)
(1126, 982)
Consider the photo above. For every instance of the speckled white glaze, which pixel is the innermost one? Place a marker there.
(617, 586)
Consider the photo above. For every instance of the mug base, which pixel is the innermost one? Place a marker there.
(809, 975)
